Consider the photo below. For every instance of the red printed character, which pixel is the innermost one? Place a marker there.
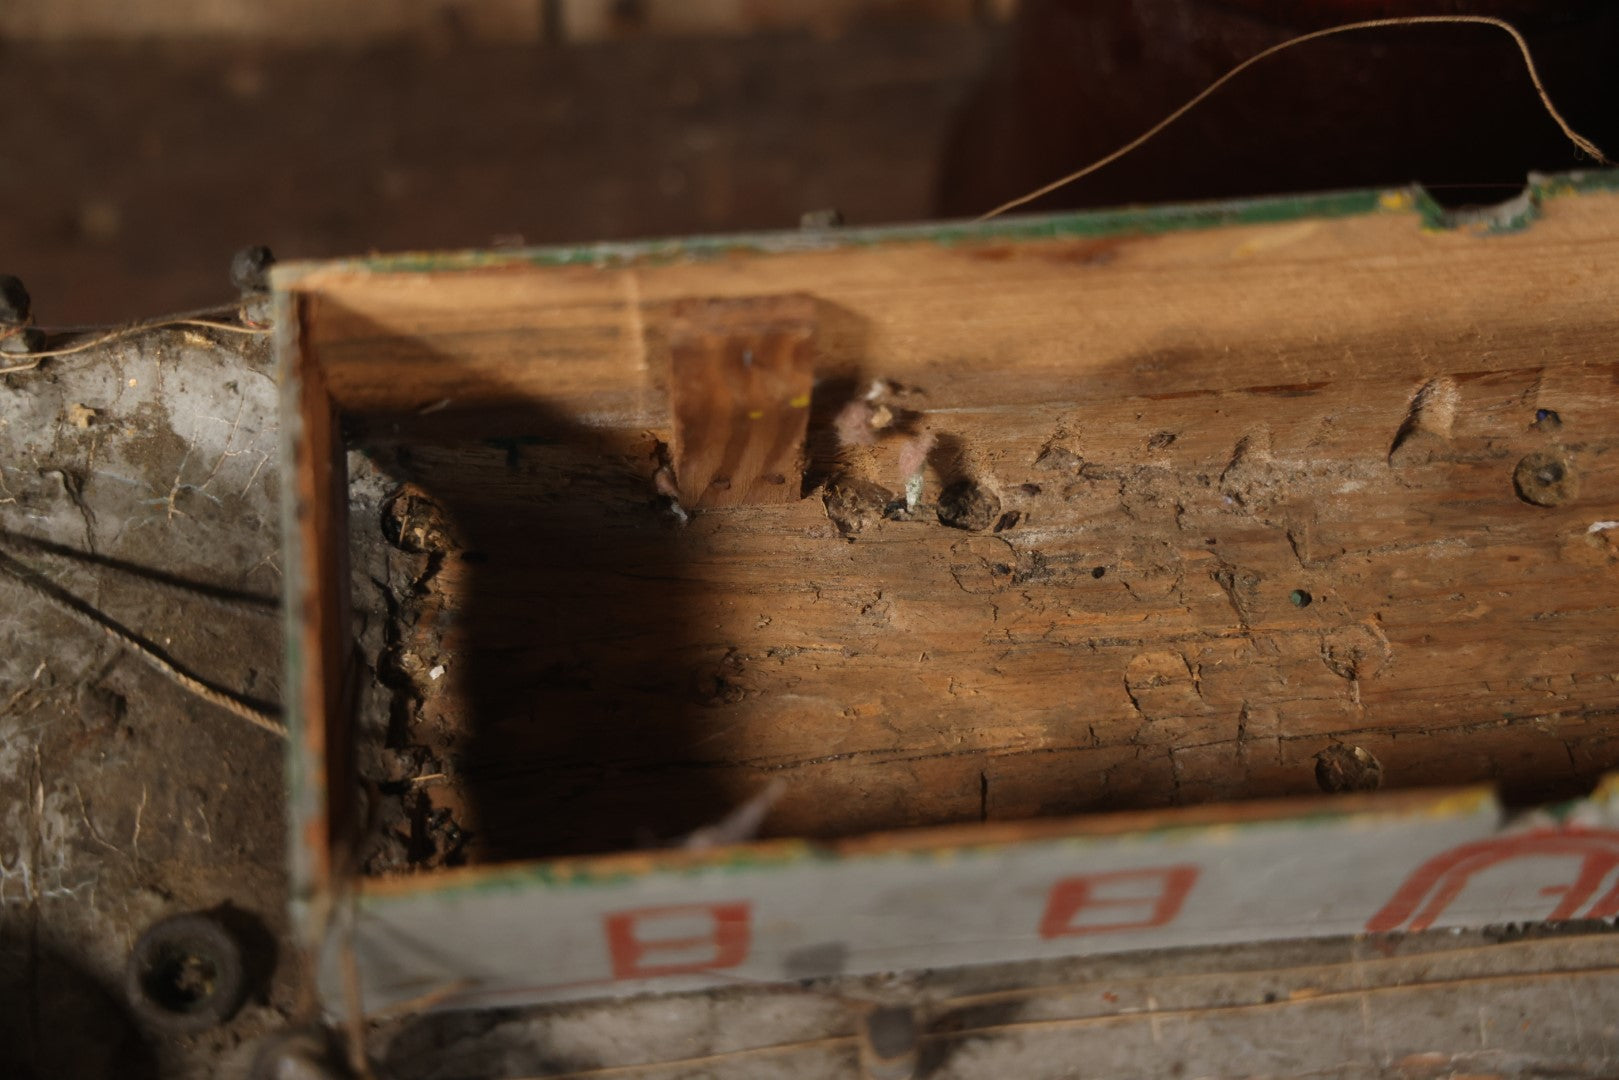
(1130, 899)
(1436, 883)
(677, 940)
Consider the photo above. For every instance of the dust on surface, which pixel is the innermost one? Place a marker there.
(128, 475)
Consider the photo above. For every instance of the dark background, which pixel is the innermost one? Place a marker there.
(139, 148)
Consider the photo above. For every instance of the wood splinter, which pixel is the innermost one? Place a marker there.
(741, 372)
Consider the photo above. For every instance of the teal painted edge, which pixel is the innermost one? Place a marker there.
(1171, 217)
(576, 873)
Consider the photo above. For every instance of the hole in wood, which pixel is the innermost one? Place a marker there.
(1481, 208)
(966, 505)
(1341, 768)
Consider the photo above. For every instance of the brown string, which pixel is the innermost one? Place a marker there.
(34, 358)
(25, 576)
(1580, 141)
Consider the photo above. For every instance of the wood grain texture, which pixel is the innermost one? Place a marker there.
(1215, 554)
(322, 804)
(739, 387)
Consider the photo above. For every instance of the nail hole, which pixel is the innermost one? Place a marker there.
(1547, 420)
(1097, 572)
(1300, 598)
(965, 505)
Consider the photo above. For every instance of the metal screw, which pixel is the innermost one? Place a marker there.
(15, 304)
(1545, 479)
(250, 269)
(186, 973)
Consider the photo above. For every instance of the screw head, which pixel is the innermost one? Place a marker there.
(15, 303)
(1545, 479)
(250, 269)
(186, 973)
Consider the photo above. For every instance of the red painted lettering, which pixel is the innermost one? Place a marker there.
(1153, 896)
(647, 942)
(1436, 883)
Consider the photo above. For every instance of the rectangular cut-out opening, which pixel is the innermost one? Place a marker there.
(1195, 507)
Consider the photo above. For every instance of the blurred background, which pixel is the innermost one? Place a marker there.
(143, 141)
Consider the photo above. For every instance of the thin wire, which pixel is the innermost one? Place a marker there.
(126, 331)
(1580, 141)
(66, 602)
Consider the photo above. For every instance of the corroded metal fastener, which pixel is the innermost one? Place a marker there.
(250, 269)
(15, 304)
(1545, 479)
(186, 973)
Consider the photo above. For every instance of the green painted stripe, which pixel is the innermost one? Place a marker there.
(1171, 217)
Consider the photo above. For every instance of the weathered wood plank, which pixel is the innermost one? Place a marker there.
(323, 792)
(1208, 558)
